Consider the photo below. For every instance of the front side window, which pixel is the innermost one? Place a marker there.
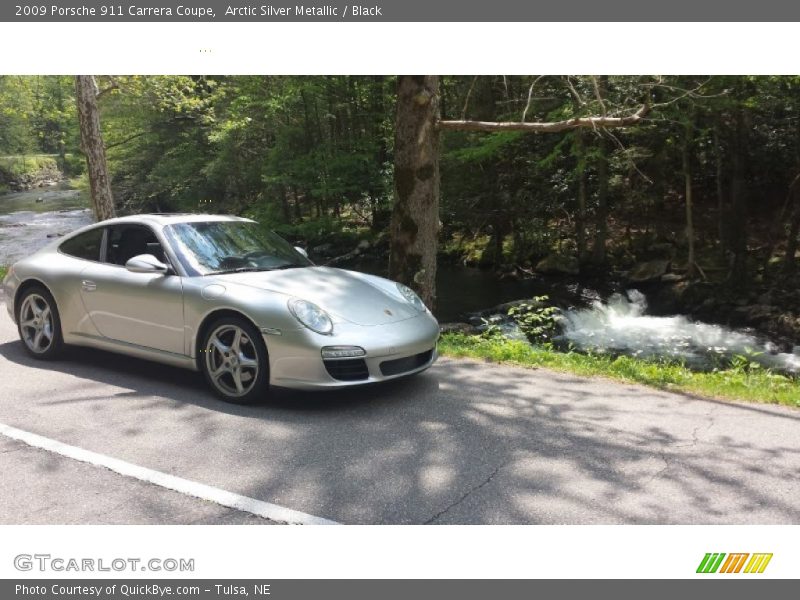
(232, 246)
(85, 246)
(127, 241)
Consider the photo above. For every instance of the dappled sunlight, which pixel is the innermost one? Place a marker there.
(464, 442)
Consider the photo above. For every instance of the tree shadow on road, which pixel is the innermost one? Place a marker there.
(462, 443)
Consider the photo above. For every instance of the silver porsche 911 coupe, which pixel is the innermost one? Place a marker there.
(221, 295)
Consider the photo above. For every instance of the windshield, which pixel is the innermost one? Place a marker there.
(211, 247)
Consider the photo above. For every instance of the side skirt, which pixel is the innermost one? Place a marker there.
(167, 358)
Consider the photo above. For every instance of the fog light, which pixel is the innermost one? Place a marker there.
(342, 352)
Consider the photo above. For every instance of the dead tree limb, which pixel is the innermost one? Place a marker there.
(548, 127)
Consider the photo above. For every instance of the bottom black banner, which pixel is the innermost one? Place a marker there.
(401, 589)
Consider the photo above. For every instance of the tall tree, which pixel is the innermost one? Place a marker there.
(686, 159)
(789, 259)
(579, 149)
(738, 217)
(86, 93)
(603, 209)
(415, 217)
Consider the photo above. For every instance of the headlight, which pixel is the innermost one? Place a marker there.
(411, 296)
(311, 315)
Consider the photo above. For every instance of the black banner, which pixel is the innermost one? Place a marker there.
(398, 11)
(282, 589)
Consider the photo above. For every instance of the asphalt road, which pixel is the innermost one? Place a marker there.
(465, 442)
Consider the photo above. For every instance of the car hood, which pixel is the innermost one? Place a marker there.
(355, 297)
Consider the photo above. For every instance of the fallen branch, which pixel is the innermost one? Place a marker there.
(550, 127)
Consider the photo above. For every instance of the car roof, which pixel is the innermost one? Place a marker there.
(163, 219)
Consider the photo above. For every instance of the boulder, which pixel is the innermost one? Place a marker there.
(558, 264)
(756, 313)
(648, 271)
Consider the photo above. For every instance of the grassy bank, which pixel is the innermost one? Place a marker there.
(3, 271)
(742, 383)
(19, 166)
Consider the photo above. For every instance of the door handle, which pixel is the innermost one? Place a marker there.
(88, 286)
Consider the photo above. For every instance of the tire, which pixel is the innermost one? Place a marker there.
(39, 324)
(239, 377)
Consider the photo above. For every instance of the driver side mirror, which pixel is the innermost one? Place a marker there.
(146, 263)
(301, 251)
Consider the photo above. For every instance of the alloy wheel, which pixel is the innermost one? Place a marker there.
(231, 360)
(36, 323)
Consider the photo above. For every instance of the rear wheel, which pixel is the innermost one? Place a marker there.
(234, 361)
(39, 324)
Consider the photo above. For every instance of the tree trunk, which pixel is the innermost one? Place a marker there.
(580, 215)
(601, 232)
(287, 211)
(687, 176)
(738, 222)
(719, 161)
(601, 226)
(415, 218)
(789, 260)
(93, 148)
(298, 209)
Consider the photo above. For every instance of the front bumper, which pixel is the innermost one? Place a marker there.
(296, 361)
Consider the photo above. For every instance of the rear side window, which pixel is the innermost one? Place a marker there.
(85, 245)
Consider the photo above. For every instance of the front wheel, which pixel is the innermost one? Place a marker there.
(234, 361)
(39, 324)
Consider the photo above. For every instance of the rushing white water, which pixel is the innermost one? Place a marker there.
(621, 326)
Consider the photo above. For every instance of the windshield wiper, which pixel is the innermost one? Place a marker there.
(251, 269)
(238, 270)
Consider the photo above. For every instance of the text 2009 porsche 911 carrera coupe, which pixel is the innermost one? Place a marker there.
(221, 295)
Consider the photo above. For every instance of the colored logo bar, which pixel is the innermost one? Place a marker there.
(737, 562)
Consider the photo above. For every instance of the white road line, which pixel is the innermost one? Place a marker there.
(170, 482)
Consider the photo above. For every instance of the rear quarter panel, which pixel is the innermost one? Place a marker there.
(60, 274)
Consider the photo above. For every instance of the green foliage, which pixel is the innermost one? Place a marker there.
(14, 167)
(297, 149)
(485, 147)
(754, 385)
(491, 330)
(341, 235)
(746, 362)
(467, 249)
(286, 148)
(536, 319)
(37, 115)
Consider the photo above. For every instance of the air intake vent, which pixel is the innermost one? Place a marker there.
(348, 369)
(403, 365)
